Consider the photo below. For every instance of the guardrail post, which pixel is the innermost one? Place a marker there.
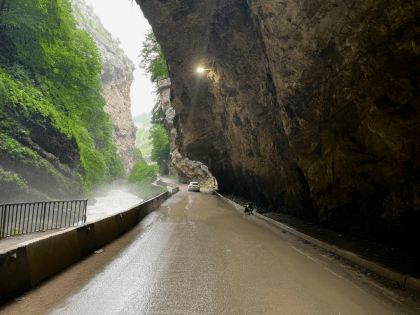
(2, 220)
(43, 211)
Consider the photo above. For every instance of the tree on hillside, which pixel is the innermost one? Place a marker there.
(143, 174)
(139, 156)
(161, 147)
(154, 63)
(158, 116)
(152, 59)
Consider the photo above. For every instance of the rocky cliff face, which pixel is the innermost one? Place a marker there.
(310, 106)
(48, 172)
(117, 76)
(186, 170)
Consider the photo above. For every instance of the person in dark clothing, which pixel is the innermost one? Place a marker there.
(249, 208)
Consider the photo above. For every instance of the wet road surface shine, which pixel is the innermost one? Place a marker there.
(197, 255)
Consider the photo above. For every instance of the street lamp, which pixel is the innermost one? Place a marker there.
(201, 69)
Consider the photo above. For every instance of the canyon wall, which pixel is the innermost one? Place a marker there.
(117, 77)
(308, 106)
(186, 170)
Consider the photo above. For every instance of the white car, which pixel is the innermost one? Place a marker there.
(194, 186)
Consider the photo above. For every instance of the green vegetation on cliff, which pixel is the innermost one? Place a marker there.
(139, 156)
(143, 174)
(152, 59)
(11, 178)
(49, 75)
(161, 147)
(142, 123)
(154, 64)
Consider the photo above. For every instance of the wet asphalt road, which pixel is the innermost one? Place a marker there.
(197, 255)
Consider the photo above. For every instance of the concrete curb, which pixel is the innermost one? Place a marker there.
(405, 281)
(173, 190)
(29, 263)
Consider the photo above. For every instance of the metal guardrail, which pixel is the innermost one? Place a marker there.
(22, 218)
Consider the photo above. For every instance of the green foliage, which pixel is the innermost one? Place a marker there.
(102, 34)
(143, 174)
(8, 178)
(142, 133)
(146, 147)
(158, 115)
(16, 151)
(154, 63)
(152, 59)
(79, 13)
(89, 22)
(142, 136)
(160, 142)
(172, 173)
(139, 134)
(139, 156)
(49, 73)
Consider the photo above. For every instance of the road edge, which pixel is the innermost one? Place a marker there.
(407, 282)
(27, 264)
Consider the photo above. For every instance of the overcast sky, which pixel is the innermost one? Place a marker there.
(126, 21)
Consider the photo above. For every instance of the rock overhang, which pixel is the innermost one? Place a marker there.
(308, 106)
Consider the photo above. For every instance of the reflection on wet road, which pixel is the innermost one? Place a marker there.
(128, 277)
(197, 255)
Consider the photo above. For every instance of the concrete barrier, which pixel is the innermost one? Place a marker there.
(14, 274)
(173, 190)
(51, 254)
(161, 183)
(31, 262)
(106, 230)
(87, 239)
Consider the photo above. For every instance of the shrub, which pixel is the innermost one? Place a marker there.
(143, 174)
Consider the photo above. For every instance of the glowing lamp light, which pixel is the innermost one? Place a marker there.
(200, 69)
